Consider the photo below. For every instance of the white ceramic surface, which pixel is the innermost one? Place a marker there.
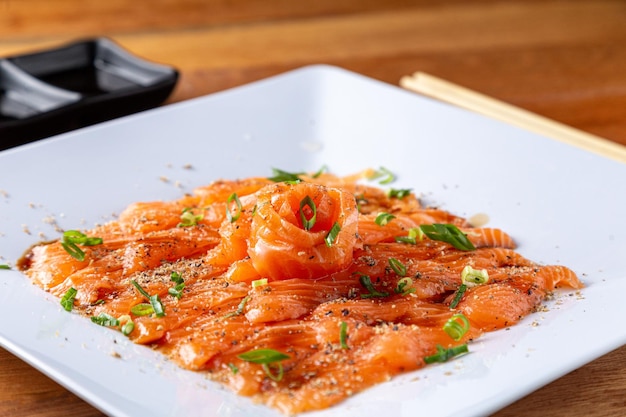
(561, 204)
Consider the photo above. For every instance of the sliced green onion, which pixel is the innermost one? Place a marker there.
(143, 309)
(177, 290)
(331, 237)
(405, 286)
(444, 354)
(471, 276)
(240, 308)
(457, 326)
(373, 292)
(448, 233)
(230, 215)
(282, 176)
(458, 295)
(308, 223)
(415, 234)
(259, 283)
(233, 368)
(267, 357)
(128, 327)
(398, 192)
(74, 251)
(4, 266)
(261, 356)
(104, 319)
(383, 218)
(398, 267)
(73, 238)
(67, 301)
(188, 219)
(320, 171)
(384, 175)
(343, 335)
(155, 300)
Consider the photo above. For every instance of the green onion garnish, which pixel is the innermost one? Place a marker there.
(104, 319)
(259, 282)
(282, 176)
(415, 234)
(444, 354)
(177, 290)
(73, 238)
(343, 335)
(398, 267)
(67, 301)
(128, 328)
(143, 309)
(240, 308)
(4, 266)
(308, 223)
(405, 286)
(266, 357)
(457, 326)
(398, 192)
(155, 300)
(233, 368)
(384, 175)
(373, 292)
(383, 218)
(471, 276)
(320, 171)
(188, 219)
(331, 237)
(448, 233)
(458, 295)
(230, 215)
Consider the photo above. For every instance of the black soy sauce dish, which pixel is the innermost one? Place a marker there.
(73, 86)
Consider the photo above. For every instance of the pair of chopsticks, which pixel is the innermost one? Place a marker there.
(437, 88)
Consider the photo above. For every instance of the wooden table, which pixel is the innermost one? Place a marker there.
(565, 60)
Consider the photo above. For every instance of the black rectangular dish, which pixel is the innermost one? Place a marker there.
(76, 85)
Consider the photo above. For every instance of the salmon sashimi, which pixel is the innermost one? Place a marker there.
(297, 290)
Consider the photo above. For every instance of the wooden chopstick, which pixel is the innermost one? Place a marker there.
(471, 100)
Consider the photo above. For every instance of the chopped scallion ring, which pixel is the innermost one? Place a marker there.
(448, 233)
(398, 267)
(385, 176)
(240, 307)
(373, 292)
(143, 309)
(233, 368)
(4, 266)
(405, 286)
(67, 301)
(444, 354)
(458, 295)
(284, 176)
(104, 319)
(267, 357)
(457, 326)
(415, 234)
(233, 215)
(308, 219)
(155, 300)
(188, 219)
(383, 218)
(343, 335)
(331, 237)
(471, 276)
(398, 192)
(177, 290)
(320, 171)
(73, 238)
(259, 283)
(128, 327)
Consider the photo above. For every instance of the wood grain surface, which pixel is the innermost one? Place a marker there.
(565, 60)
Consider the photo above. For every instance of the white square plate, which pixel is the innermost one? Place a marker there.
(561, 204)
